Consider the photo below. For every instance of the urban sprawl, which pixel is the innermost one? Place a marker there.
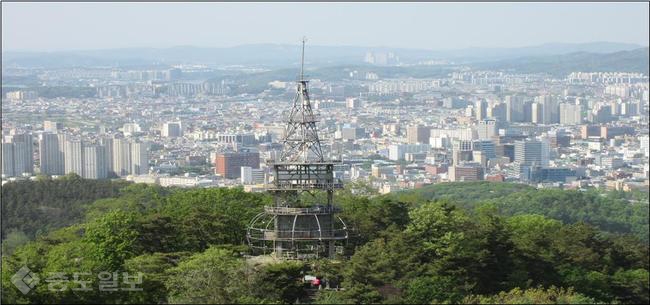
(176, 126)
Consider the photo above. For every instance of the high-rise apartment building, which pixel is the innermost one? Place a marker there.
(570, 114)
(51, 148)
(644, 145)
(629, 109)
(461, 151)
(107, 142)
(481, 109)
(558, 138)
(497, 112)
(23, 153)
(396, 152)
(21, 158)
(74, 158)
(536, 113)
(95, 164)
(418, 134)
(8, 169)
(129, 157)
(515, 108)
(549, 109)
(17, 154)
(531, 152)
(139, 158)
(121, 157)
(487, 129)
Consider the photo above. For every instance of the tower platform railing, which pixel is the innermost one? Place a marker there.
(303, 185)
(274, 210)
(298, 235)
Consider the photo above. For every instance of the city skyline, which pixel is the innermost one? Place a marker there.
(405, 153)
(163, 25)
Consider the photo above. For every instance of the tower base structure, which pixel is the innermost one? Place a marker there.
(297, 233)
(291, 231)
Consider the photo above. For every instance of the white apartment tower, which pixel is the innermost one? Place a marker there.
(23, 147)
(95, 164)
(481, 109)
(51, 152)
(487, 129)
(531, 152)
(570, 114)
(8, 159)
(536, 110)
(549, 109)
(139, 158)
(107, 142)
(514, 108)
(74, 157)
(121, 157)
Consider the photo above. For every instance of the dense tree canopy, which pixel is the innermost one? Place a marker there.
(35, 207)
(616, 212)
(512, 244)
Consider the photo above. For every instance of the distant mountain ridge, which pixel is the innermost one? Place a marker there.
(274, 55)
(636, 60)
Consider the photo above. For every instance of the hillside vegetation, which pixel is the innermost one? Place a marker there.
(35, 207)
(457, 243)
(615, 212)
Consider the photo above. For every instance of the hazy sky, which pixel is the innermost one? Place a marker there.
(65, 26)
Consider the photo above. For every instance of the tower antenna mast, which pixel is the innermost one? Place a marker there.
(302, 60)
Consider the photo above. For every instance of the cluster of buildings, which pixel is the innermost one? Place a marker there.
(163, 126)
(60, 153)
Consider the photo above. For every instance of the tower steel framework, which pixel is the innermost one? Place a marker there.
(290, 229)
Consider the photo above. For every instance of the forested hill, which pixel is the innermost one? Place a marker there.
(615, 212)
(456, 243)
(35, 207)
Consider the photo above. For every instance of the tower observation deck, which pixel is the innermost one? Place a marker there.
(290, 229)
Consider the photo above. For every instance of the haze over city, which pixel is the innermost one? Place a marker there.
(82, 26)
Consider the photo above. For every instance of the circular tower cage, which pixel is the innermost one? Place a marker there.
(297, 233)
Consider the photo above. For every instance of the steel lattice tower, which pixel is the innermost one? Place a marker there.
(290, 229)
(301, 143)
